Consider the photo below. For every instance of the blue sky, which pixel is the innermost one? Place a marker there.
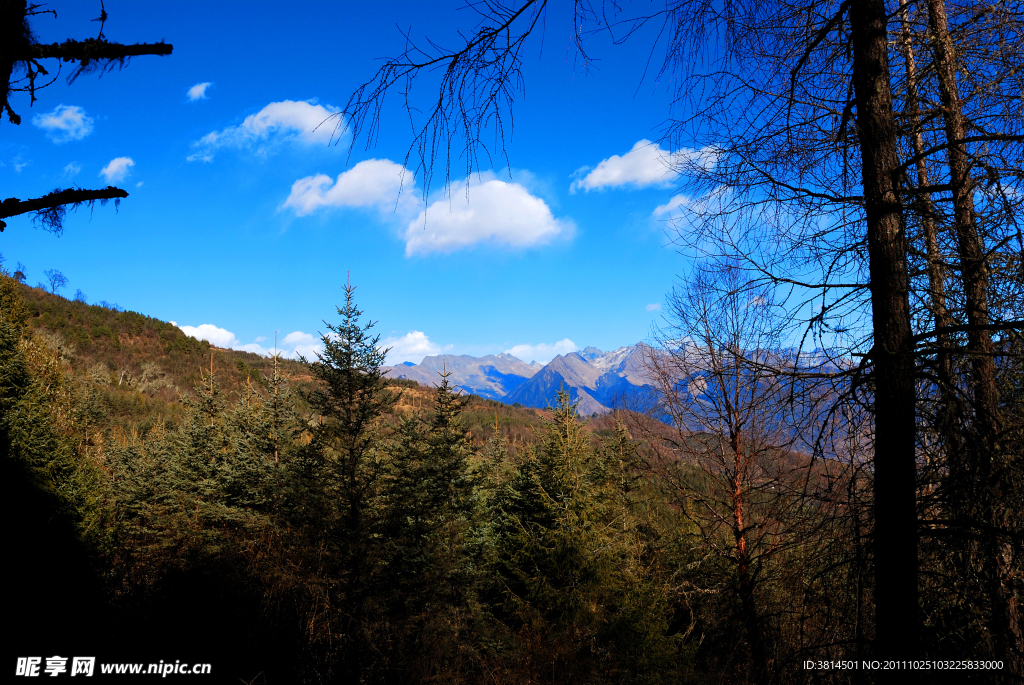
(243, 220)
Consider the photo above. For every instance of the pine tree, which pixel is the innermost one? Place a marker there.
(553, 547)
(450, 486)
(349, 403)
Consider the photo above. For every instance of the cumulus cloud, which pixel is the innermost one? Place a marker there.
(218, 337)
(655, 307)
(371, 183)
(64, 123)
(289, 120)
(72, 169)
(298, 343)
(198, 91)
(497, 213)
(118, 169)
(647, 164)
(543, 352)
(411, 347)
(290, 347)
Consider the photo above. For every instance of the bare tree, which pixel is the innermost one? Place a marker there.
(739, 412)
(56, 280)
(963, 140)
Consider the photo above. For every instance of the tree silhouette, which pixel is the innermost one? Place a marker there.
(56, 279)
(21, 70)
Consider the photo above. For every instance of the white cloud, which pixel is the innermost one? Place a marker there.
(289, 120)
(543, 352)
(294, 344)
(198, 91)
(679, 206)
(218, 337)
(118, 169)
(72, 169)
(299, 343)
(496, 213)
(64, 123)
(411, 347)
(647, 164)
(139, 184)
(672, 206)
(371, 183)
(656, 307)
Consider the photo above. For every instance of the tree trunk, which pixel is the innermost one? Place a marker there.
(751, 618)
(969, 243)
(897, 618)
(13, 41)
(980, 489)
(926, 209)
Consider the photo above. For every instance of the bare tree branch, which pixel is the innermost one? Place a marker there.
(51, 208)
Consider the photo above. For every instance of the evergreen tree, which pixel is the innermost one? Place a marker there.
(553, 548)
(346, 441)
(429, 578)
(449, 485)
(572, 571)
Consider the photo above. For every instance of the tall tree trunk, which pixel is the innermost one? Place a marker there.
(751, 617)
(897, 617)
(926, 209)
(981, 487)
(969, 242)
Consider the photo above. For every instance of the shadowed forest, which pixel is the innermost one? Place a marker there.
(312, 522)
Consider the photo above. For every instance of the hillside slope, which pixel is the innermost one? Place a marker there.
(137, 368)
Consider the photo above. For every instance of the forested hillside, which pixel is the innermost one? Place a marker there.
(136, 368)
(312, 522)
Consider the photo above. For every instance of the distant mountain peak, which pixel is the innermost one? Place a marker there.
(593, 377)
(492, 376)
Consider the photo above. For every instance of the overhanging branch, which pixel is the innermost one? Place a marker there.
(51, 208)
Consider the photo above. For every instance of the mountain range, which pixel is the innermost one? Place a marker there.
(596, 379)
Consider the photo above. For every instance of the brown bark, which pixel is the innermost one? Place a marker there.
(936, 278)
(751, 617)
(897, 617)
(969, 242)
(980, 489)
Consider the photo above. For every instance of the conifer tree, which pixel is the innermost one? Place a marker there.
(552, 552)
(448, 478)
(350, 400)
(567, 560)
(427, 579)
